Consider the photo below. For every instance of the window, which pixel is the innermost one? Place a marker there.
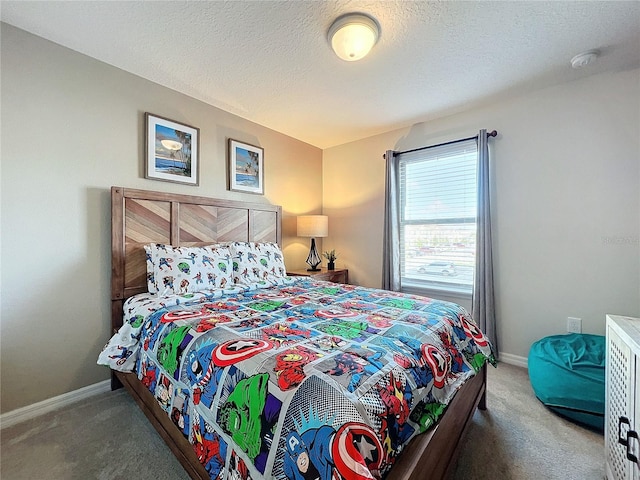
(438, 197)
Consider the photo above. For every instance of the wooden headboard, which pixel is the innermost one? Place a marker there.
(139, 217)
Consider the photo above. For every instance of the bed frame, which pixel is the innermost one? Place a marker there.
(139, 217)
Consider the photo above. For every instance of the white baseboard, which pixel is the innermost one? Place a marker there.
(31, 411)
(513, 359)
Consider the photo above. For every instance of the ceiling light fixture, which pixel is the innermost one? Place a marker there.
(584, 59)
(353, 35)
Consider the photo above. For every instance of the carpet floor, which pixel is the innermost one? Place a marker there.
(107, 437)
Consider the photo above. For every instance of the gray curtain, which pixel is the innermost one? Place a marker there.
(391, 240)
(483, 310)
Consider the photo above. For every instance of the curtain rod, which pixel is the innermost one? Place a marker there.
(489, 134)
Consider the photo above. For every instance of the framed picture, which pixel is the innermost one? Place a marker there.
(172, 151)
(246, 168)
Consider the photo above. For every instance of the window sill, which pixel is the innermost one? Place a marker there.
(445, 293)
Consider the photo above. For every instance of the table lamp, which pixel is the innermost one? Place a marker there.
(314, 226)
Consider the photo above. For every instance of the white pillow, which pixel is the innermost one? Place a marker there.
(257, 262)
(180, 270)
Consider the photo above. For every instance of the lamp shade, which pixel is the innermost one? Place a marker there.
(352, 36)
(313, 226)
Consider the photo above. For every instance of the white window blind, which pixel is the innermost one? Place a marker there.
(438, 207)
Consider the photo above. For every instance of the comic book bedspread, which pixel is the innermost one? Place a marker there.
(306, 380)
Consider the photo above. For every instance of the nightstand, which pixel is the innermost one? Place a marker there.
(339, 275)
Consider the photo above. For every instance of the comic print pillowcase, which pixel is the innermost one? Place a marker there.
(179, 270)
(256, 263)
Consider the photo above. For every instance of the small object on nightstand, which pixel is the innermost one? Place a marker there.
(340, 275)
(331, 256)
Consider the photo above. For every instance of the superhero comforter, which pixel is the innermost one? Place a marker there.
(304, 380)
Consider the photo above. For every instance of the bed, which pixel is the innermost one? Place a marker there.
(345, 448)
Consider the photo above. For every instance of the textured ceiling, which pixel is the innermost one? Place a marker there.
(270, 62)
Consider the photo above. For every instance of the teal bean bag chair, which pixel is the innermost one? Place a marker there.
(567, 375)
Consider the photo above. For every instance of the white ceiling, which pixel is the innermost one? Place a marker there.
(269, 61)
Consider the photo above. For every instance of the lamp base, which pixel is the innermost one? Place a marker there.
(313, 260)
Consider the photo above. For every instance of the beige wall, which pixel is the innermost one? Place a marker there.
(566, 203)
(71, 128)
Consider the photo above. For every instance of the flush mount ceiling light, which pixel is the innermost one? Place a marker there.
(353, 35)
(584, 59)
